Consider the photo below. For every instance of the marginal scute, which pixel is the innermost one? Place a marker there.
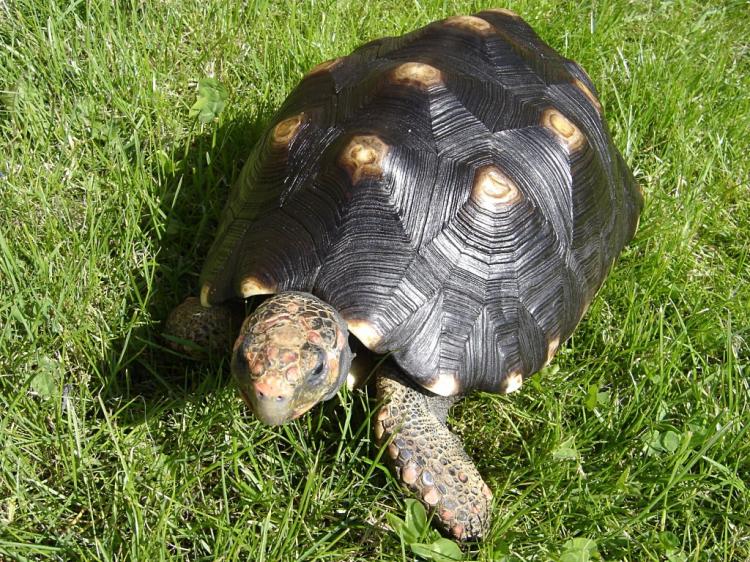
(445, 384)
(251, 286)
(324, 67)
(552, 346)
(512, 382)
(365, 332)
(417, 74)
(588, 93)
(205, 293)
(471, 23)
(285, 131)
(363, 157)
(359, 369)
(570, 135)
(493, 188)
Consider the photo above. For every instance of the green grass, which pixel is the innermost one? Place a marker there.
(111, 448)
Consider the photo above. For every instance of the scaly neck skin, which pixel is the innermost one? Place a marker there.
(292, 352)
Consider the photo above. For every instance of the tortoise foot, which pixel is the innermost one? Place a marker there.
(196, 331)
(430, 460)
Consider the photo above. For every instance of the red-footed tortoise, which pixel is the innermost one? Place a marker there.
(451, 197)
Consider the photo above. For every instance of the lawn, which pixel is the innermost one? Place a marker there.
(114, 448)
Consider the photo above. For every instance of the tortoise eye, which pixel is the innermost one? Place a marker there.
(320, 365)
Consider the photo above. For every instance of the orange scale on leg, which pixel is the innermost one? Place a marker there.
(447, 514)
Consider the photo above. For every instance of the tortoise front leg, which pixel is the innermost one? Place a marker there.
(428, 458)
(205, 330)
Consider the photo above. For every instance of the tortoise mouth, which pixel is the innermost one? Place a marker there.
(273, 417)
(275, 413)
(303, 410)
(270, 410)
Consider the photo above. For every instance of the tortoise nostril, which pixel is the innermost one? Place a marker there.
(263, 396)
(270, 391)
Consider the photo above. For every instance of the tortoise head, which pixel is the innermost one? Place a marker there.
(292, 352)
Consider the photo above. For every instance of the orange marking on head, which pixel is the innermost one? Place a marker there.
(289, 357)
(314, 337)
(266, 324)
(272, 386)
(341, 339)
(257, 367)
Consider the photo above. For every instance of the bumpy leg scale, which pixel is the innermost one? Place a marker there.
(428, 458)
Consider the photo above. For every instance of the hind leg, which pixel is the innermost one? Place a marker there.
(428, 458)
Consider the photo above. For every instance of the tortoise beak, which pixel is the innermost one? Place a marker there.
(272, 408)
(274, 413)
(270, 399)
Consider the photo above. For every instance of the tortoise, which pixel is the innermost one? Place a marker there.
(452, 199)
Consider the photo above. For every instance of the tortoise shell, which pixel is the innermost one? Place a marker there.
(454, 193)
